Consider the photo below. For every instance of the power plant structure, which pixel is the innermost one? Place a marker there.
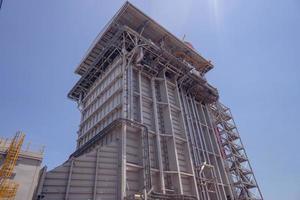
(151, 127)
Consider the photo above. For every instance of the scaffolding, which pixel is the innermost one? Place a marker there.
(9, 188)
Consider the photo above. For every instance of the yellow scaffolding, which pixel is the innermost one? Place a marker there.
(8, 188)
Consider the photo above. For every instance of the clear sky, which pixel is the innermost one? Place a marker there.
(254, 46)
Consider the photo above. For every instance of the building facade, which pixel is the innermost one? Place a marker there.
(151, 127)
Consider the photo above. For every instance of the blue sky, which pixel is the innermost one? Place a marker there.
(254, 46)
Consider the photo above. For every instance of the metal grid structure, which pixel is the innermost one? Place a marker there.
(243, 181)
(148, 130)
(8, 188)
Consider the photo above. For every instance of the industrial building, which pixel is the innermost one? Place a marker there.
(152, 127)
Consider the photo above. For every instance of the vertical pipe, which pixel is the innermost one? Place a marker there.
(190, 131)
(205, 126)
(200, 131)
(123, 164)
(187, 143)
(204, 142)
(159, 154)
(173, 136)
(130, 90)
(96, 174)
(69, 179)
(123, 127)
(199, 148)
(142, 121)
(141, 97)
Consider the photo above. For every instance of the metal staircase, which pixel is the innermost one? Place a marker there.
(241, 175)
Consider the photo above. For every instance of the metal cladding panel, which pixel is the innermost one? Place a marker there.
(153, 151)
(187, 185)
(179, 141)
(92, 175)
(133, 148)
(102, 104)
(148, 113)
(182, 156)
(134, 181)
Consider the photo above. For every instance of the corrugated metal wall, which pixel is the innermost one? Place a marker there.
(184, 153)
(93, 175)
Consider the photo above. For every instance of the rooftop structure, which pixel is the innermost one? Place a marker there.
(151, 127)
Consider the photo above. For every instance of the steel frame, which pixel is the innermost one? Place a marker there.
(243, 181)
(8, 188)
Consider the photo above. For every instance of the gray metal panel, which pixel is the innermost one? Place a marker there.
(75, 179)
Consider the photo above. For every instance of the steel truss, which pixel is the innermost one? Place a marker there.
(121, 40)
(243, 181)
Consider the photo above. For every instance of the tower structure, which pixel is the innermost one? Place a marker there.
(151, 127)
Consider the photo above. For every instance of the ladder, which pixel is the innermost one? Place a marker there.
(8, 188)
(146, 159)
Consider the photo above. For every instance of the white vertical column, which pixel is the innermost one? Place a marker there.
(173, 136)
(187, 143)
(69, 179)
(96, 174)
(198, 143)
(123, 129)
(204, 141)
(141, 96)
(142, 121)
(159, 155)
(216, 167)
(130, 91)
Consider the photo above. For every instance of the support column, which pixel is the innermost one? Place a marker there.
(202, 132)
(173, 136)
(125, 111)
(69, 179)
(123, 161)
(187, 143)
(96, 174)
(159, 155)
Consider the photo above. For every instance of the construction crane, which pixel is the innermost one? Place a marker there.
(8, 188)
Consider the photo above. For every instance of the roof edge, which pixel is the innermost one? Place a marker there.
(98, 37)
